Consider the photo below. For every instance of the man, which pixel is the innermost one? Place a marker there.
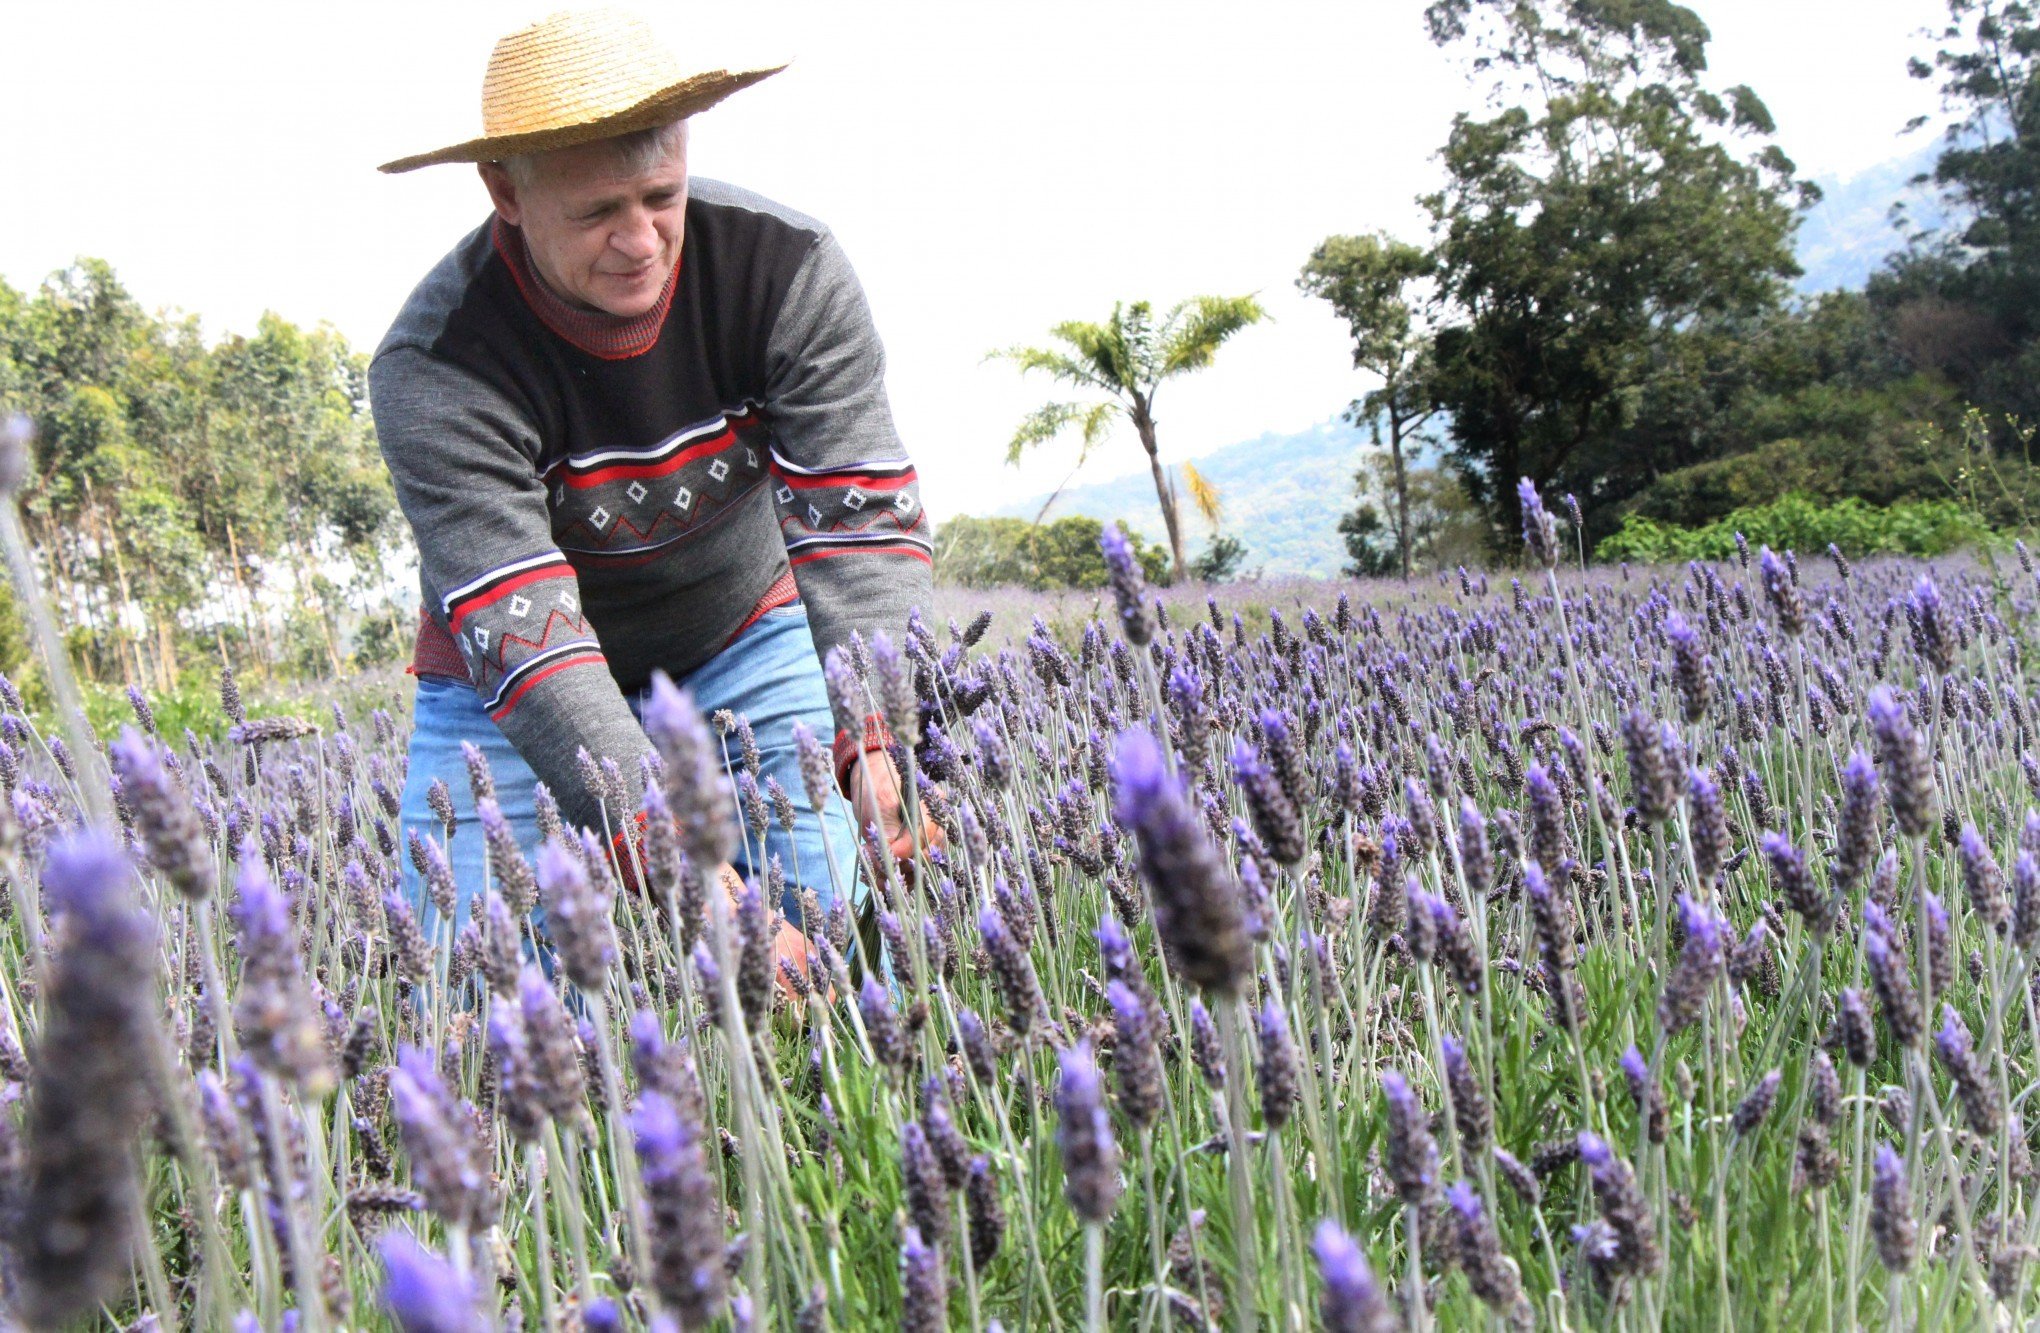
(638, 423)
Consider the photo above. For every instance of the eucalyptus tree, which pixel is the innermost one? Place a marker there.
(1122, 362)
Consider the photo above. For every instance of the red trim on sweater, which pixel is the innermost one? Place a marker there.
(598, 333)
(885, 549)
(715, 444)
(578, 659)
(496, 594)
(859, 480)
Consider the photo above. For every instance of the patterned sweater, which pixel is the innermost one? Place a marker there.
(595, 498)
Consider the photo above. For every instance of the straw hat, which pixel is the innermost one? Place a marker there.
(582, 75)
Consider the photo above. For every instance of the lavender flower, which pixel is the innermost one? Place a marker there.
(1908, 773)
(986, 1215)
(1756, 1104)
(1275, 815)
(924, 1289)
(446, 1160)
(1410, 1154)
(1206, 1051)
(1796, 886)
(577, 916)
(1196, 905)
(1856, 825)
(1013, 966)
(922, 1181)
(424, 1293)
(1136, 1064)
(88, 1091)
(1471, 1114)
(889, 1045)
(1891, 1219)
(1689, 667)
(1648, 1094)
(1971, 1074)
(1888, 977)
(1782, 591)
(1700, 960)
(278, 1023)
(1353, 1301)
(1277, 1072)
(697, 790)
(1129, 586)
(1540, 531)
(164, 817)
(1479, 1251)
(1623, 1208)
(1981, 878)
(1084, 1135)
(683, 1212)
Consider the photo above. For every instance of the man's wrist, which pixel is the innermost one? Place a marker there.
(851, 745)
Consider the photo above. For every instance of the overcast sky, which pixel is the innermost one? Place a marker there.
(991, 168)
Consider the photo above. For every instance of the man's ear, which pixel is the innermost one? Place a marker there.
(502, 191)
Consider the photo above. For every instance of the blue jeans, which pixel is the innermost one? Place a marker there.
(768, 674)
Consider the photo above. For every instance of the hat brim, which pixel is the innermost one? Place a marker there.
(675, 102)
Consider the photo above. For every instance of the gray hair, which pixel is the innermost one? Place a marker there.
(634, 153)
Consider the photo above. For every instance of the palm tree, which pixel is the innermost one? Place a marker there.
(1126, 358)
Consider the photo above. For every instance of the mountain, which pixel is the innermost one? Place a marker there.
(1283, 495)
(1846, 236)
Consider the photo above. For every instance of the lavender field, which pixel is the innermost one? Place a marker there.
(1545, 947)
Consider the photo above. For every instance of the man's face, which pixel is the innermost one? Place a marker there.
(598, 239)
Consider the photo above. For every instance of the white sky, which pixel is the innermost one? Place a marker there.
(990, 168)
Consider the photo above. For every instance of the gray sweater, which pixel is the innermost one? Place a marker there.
(595, 498)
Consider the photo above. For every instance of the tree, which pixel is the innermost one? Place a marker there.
(1220, 559)
(1964, 299)
(1374, 283)
(1011, 552)
(1598, 241)
(1127, 358)
(1443, 525)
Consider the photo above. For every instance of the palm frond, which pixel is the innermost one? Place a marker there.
(1204, 495)
(1194, 329)
(1049, 420)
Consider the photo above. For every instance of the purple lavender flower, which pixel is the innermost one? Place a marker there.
(1353, 1302)
(88, 1089)
(1479, 1251)
(889, 1044)
(1782, 591)
(1277, 1072)
(439, 1137)
(1891, 1219)
(1796, 886)
(1410, 1154)
(1981, 878)
(924, 1286)
(424, 1293)
(1756, 1104)
(1136, 1063)
(684, 1212)
(2026, 900)
(1547, 820)
(577, 915)
(1275, 815)
(697, 790)
(1471, 1114)
(1859, 1037)
(1476, 859)
(1971, 1075)
(1090, 1157)
(1933, 635)
(1700, 960)
(1648, 1094)
(1653, 782)
(922, 1181)
(1908, 773)
(1856, 824)
(1013, 966)
(1540, 531)
(1696, 687)
(1196, 905)
(1206, 1051)
(278, 1023)
(1895, 995)
(164, 817)
(987, 1216)
(1623, 1208)
(1129, 586)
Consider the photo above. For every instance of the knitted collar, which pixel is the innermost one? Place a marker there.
(598, 333)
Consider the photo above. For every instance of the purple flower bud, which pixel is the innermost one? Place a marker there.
(1795, 884)
(1136, 1063)
(684, 1211)
(1084, 1135)
(1410, 1154)
(1196, 905)
(577, 916)
(1888, 977)
(1971, 1075)
(1277, 1072)
(1540, 531)
(1479, 1251)
(924, 1286)
(1700, 960)
(1756, 1104)
(1908, 773)
(1353, 1301)
(1891, 1219)
(1856, 824)
(1129, 586)
(697, 789)
(424, 1293)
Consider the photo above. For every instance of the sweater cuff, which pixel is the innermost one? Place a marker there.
(849, 746)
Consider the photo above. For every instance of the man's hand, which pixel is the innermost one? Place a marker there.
(875, 799)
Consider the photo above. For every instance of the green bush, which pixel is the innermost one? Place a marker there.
(1799, 523)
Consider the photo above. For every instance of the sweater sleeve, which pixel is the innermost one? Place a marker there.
(463, 458)
(849, 502)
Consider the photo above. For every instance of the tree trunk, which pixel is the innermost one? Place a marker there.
(1402, 490)
(1165, 494)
